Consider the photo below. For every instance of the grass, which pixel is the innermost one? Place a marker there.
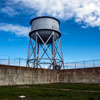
(51, 92)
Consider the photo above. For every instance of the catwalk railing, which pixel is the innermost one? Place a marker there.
(67, 65)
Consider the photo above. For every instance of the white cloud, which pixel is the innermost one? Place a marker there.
(16, 29)
(10, 40)
(9, 10)
(65, 33)
(83, 11)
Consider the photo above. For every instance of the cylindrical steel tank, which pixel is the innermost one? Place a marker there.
(45, 26)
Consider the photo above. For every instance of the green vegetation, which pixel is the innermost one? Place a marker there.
(51, 92)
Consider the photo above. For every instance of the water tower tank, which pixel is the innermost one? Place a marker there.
(45, 26)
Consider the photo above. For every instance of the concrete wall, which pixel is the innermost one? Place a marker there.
(87, 75)
(14, 75)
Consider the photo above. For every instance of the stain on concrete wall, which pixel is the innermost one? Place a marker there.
(14, 75)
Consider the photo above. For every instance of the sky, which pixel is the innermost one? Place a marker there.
(80, 26)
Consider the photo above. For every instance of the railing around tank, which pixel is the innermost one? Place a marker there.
(67, 65)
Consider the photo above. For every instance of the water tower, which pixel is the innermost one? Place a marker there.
(45, 48)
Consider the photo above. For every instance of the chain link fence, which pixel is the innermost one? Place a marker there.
(13, 61)
(67, 65)
(82, 64)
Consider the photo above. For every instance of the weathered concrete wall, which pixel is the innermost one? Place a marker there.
(87, 75)
(14, 75)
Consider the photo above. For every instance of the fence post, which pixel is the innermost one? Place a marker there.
(75, 65)
(8, 60)
(93, 63)
(19, 61)
(67, 65)
(84, 63)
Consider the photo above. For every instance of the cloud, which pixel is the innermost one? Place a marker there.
(65, 33)
(16, 29)
(85, 12)
(10, 39)
(9, 10)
